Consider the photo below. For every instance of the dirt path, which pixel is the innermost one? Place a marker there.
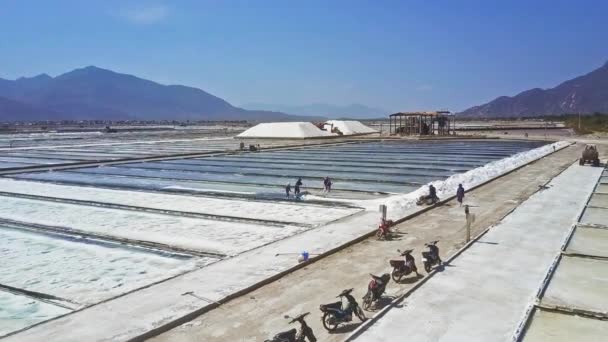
(259, 315)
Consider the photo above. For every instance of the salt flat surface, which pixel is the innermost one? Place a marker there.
(388, 169)
(337, 174)
(33, 160)
(17, 312)
(557, 327)
(579, 283)
(589, 241)
(80, 271)
(599, 200)
(276, 180)
(198, 234)
(213, 282)
(477, 299)
(228, 276)
(295, 213)
(597, 216)
(362, 162)
(6, 165)
(155, 184)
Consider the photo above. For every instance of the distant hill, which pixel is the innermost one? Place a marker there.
(11, 110)
(585, 94)
(93, 93)
(353, 111)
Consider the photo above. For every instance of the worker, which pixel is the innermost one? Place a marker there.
(298, 185)
(288, 189)
(433, 193)
(327, 185)
(460, 194)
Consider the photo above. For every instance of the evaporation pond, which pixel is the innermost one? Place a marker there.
(18, 312)
(78, 270)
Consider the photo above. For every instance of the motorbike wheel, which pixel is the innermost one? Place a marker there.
(308, 334)
(367, 300)
(360, 314)
(379, 234)
(427, 267)
(396, 275)
(330, 323)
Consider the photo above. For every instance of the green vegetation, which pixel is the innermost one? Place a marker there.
(596, 122)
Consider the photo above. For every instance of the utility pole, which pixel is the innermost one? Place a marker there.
(579, 121)
(383, 210)
(468, 225)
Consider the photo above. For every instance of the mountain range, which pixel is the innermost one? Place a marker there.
(352, 111)
(93, 93)
(585, 94)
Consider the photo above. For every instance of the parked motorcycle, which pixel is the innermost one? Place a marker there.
(427, 200)
(334, 313)
(431, 257)
(293, 335)
(403, 267)
(384, 231)
(375, 289)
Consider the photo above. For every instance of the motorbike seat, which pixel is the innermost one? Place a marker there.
(289, 335)
(335, 306)
(397, 263)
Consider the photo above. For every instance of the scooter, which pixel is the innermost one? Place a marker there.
(293, 335)
(375, 289)
(384, 231)
(403, 267)
(427, 200)
(431, 257)
(334, 314)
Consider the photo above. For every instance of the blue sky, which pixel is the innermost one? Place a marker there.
(398, 55)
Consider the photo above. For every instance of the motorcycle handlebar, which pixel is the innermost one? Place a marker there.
(344, 293)
(296, 319)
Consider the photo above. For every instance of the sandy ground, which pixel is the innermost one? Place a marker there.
(259, 315)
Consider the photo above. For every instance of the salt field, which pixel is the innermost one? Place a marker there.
(72, 272)
(25, 152)
(83, 235)
(352, 168)
(19, 312)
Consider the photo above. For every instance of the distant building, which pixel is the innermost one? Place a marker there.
(422, 123)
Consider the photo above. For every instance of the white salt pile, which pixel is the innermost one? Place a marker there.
(286, 130)
(350, 127)
(399, 204)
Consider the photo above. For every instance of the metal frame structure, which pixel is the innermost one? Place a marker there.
(422, 123)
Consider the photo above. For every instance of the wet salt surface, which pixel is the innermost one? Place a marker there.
(17, 312)
(82, 272)
(281, 211)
